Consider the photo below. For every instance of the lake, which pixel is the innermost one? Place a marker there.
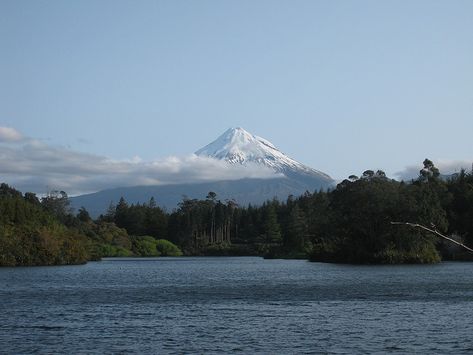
(248, 305)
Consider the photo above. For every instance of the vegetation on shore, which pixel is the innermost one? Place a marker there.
(349, 224)
(45, 232)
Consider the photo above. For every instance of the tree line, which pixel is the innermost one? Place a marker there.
(349, 223)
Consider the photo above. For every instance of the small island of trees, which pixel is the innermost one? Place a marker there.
(349, 224)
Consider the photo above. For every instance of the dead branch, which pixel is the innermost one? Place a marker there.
(434, 231)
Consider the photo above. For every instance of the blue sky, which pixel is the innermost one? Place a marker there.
(342, 86)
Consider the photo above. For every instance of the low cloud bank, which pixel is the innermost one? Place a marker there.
(446, 167)
(30, 165)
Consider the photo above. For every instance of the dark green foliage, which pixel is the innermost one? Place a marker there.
(272, 229)
(350, 224)
(460, 212)
(83, 215)
(355, 223)
(57, 203)
(358, 228)
(145, 219)
(30, 234)
(199, 224)
(295, 231)
(108, 239)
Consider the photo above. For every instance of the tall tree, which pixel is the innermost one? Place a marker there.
(272, 229)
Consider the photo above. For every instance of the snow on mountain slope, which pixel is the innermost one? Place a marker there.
(239, 146)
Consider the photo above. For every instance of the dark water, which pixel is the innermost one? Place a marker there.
(250, 305)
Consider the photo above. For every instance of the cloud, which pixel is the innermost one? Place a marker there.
(446, 167)
(8, 134)
(31, 165)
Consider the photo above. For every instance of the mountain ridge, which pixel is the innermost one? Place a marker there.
(254, 191)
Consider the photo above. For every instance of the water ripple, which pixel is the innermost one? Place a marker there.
(247, 305)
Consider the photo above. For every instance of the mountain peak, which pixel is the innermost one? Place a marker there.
(238, 146)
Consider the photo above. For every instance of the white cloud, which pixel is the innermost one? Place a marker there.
(446, 167)
(31, 165)
(8, 134)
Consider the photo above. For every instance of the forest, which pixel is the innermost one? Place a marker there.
(350, 223)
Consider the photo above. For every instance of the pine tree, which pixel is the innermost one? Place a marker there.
(272, 229)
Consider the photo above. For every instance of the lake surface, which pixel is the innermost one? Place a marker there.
(248, 305)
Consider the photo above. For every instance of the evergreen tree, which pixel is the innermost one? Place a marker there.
(295, 236)
(272, 229)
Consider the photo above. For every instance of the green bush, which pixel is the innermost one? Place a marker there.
(144, 246)
(166, 248)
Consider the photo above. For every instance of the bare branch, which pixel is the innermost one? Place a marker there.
(434, 231)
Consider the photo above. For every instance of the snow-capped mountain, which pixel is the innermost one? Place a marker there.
(238, 146)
